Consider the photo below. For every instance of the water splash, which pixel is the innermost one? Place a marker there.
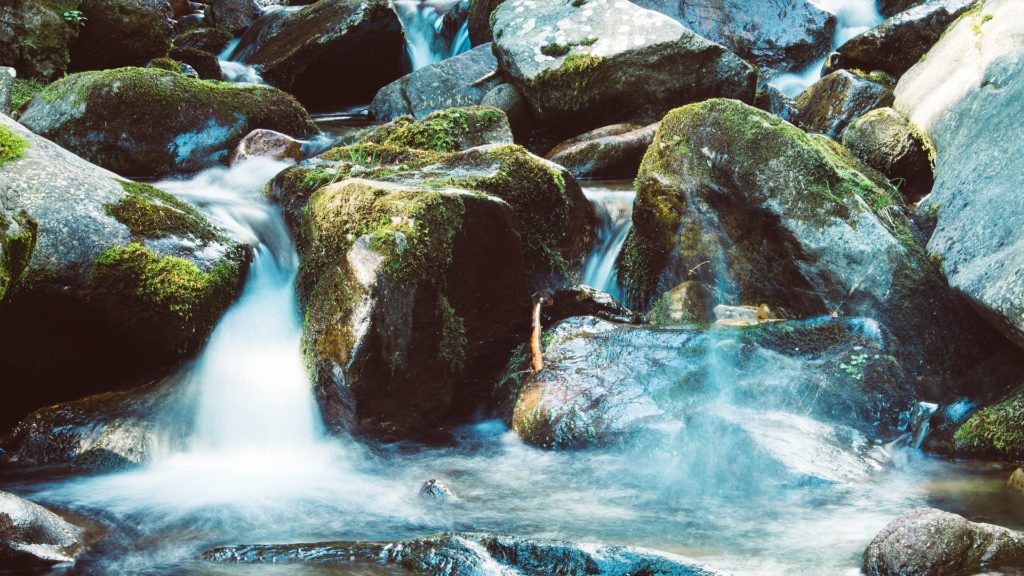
(423, 22)
(613, 202)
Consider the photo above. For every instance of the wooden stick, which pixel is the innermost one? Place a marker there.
(538, 359)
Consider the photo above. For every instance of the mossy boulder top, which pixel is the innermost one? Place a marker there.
(119, 33)
(587, 64)
(35, 39)
(329, 53)
(147, 121)
(106, 278)
(761, 212)
(449, 130)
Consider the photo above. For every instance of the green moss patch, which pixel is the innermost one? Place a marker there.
(24, 90)
(17, 242)
(152, 213)
(996, 431)
(12, 146)
(441, 131)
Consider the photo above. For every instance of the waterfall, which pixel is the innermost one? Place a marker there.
(614, 205)
(852, 18)
(423, 22)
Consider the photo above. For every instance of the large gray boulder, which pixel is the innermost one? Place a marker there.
(886, 140)
(761, 212)
(610, 152)
(119, 33)
(446, 84)
(330, 53)
(32, 537)
(899, 42)
(967, 95)
(829, 105)
(147, 121)
(35, 39)
(581, 65)
(930, 541)
(107, 279)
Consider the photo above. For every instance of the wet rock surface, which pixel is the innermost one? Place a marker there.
(609, 152)
(32, 537)
(886, 140)
(833, 102)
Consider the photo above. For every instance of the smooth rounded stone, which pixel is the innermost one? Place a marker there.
(606, 384)
(930, 541)
(267, 144)
(776, 36)
(232, 15)
(899, 42)
(435, 491)
(761, 212)
(1016, 480)
(32, 537)
(212, 40)
(206, 65)
(450, 83)
(610, 152)
(475, 554)
(584, 300)
(7, 77)
(449, 130)
(111, 279)
(885, 140)
(35, 38)
(506, 98)
(829, 105)
(967, 96)
(121, 33)
(330, 53)
(145, 121)
(585, 65)
(775, 102)
(480, 21)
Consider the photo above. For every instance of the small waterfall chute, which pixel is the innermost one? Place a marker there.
(424, 25)
(614, 205)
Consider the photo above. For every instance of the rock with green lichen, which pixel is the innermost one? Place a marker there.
(329, 53)
(449, 130)
(212, 40)
(206, 64)
(119, 33)
(761, 212)
(554, 220)
(886, 140)
(766, 387)
(829, 105)
(413, 295)
(996, 431)
(615, 61)
(610, 152)
(967, 96)
(147, 121)
(105, 279)
(35, 38)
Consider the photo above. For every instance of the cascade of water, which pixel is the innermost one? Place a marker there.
(614, 205)
(423, 22)
(852, 18)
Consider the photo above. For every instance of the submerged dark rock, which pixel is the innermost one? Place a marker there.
(32, 537)
(466, 554)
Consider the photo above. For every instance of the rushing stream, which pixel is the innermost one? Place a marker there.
(613, 202)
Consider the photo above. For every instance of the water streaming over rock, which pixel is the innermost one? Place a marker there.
(424, 25)
(852, 18)
(613, 202)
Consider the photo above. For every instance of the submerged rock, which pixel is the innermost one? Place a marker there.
(435, 491)
(35, 38)
(466, 554)
(449, 130)
(930, 541)
(446, 84)
(330, 53)
(967, 96)
(146, 121)
(760, 212)
(108, 279)
(610, 152)
(886, 140)
(899, 42)
(829, 105)
(118, 33)
(32, 537)
(581, 65)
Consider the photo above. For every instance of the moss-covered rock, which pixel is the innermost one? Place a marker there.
(449, 130)
(212, 40)
(146, 121)
(996, 431)
(35, 37)
(829, 105)
(119, 33)
(413, 295)
(886, 140)
(105, 279)
(761, 212)
(206, 64)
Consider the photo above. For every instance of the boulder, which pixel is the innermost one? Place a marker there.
(605, 384)
(930, 541)
(435, 491)
(830, 104)
(35, 38)
(775, 102)
(172, 65)
(262, 143)
(776, 36)
(967, 96)
(1016, 480)
(33, 538)
(480, 20)
(761, 212)
(206, 64)
(145, 121)
(506, 98)
(886, 141)
(212, 40)
(996, 431)
(610, 152)
(899, 42)
(330, 53)
(584, 65)
(107, 279)
(234, 16)
(584, 300)
(449, 130)
(467, 554)
(450, 83)
(120, 33)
